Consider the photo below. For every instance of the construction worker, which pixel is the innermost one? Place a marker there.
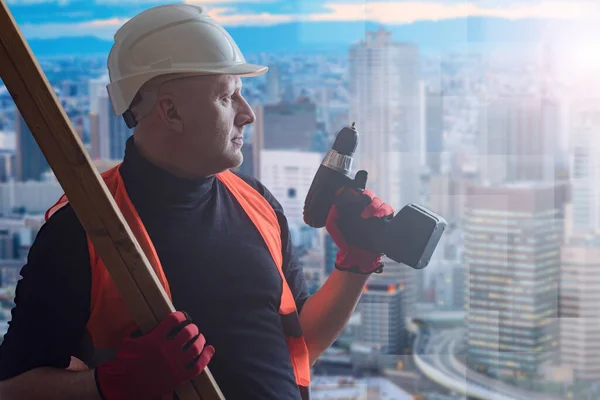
(218, 241)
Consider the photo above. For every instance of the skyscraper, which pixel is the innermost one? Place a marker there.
(519, 139)
(98, 144)
(513, 235)
(273, 84)
(434, 130)
(450, 286)
(384, 103)
(447, 195)
(382, 319)
(286, 126)
(585, 166)
(30, 161)
(288, 175)
(410, 278)
(108, 132)
(113, 130)
(579, 311)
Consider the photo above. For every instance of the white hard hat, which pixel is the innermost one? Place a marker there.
(174, 40)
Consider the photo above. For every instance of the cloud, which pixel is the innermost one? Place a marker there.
(401, 12)
(26, 2)
(411, 11)
(283, 7)
(103, 29)
(81, 19)
(228, 2)
(71, 2)
(229, 17)
(106, 28)
(75, 11)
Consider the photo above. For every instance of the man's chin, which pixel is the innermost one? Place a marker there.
(235, 159)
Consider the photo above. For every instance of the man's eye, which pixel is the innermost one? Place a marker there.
(230, 96)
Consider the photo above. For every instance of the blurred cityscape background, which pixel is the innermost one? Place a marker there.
(487, 112)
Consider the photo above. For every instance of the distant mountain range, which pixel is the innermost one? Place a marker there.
(447, 35)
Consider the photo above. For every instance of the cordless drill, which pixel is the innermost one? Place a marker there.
(410, 237)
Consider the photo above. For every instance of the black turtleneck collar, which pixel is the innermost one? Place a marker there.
(154, 185)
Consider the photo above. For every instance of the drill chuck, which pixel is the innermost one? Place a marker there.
(333, 173)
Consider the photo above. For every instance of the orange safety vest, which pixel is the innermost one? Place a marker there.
(110, 319)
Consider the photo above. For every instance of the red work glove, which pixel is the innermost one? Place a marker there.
(153, 365)
(352, 221)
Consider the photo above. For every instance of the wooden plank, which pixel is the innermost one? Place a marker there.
(87, 193)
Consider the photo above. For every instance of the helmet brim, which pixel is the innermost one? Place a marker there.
(245, 69)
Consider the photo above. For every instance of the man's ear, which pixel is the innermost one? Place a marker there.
(168, 113)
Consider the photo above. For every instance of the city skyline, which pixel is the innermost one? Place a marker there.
(513, 205)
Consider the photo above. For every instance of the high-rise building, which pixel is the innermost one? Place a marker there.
(30, 161)
(384, 103)
(69, 88)
(450, 286)
(447, 195)
(310, 256)
(519, 140)
(95, 139)
(7, 161)
(113, 130)
(585, 166)
(34, 197)
(7, 155)
(410, 278)
(579, 311)
(98, 144)
(273, 84)
(288, 175)
(10, 234)
(286, 126)
(434, 130)
(513, 235)
(96, 86)
(108, 132)
(333, 112)
(382, 319)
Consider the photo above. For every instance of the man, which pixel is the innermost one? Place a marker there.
(218, 241)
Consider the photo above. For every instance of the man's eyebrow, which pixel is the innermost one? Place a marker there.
(236, 86)
(228, 87)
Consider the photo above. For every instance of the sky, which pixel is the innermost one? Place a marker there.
(101, 18)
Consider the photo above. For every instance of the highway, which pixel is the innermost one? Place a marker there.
(435, 356)
(490, 382)
(434, 361)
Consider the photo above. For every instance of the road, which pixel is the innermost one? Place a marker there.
(436, 354)
(438, 351)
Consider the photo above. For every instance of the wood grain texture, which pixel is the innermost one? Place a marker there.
(92, 202)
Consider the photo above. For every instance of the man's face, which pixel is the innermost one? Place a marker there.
(212, 115)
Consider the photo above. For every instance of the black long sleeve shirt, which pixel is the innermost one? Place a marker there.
(217, 265)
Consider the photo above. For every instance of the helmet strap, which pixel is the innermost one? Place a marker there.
(130, 119)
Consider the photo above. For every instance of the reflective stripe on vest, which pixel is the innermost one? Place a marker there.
(109, 317)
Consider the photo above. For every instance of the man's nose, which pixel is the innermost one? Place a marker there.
(245, 114)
